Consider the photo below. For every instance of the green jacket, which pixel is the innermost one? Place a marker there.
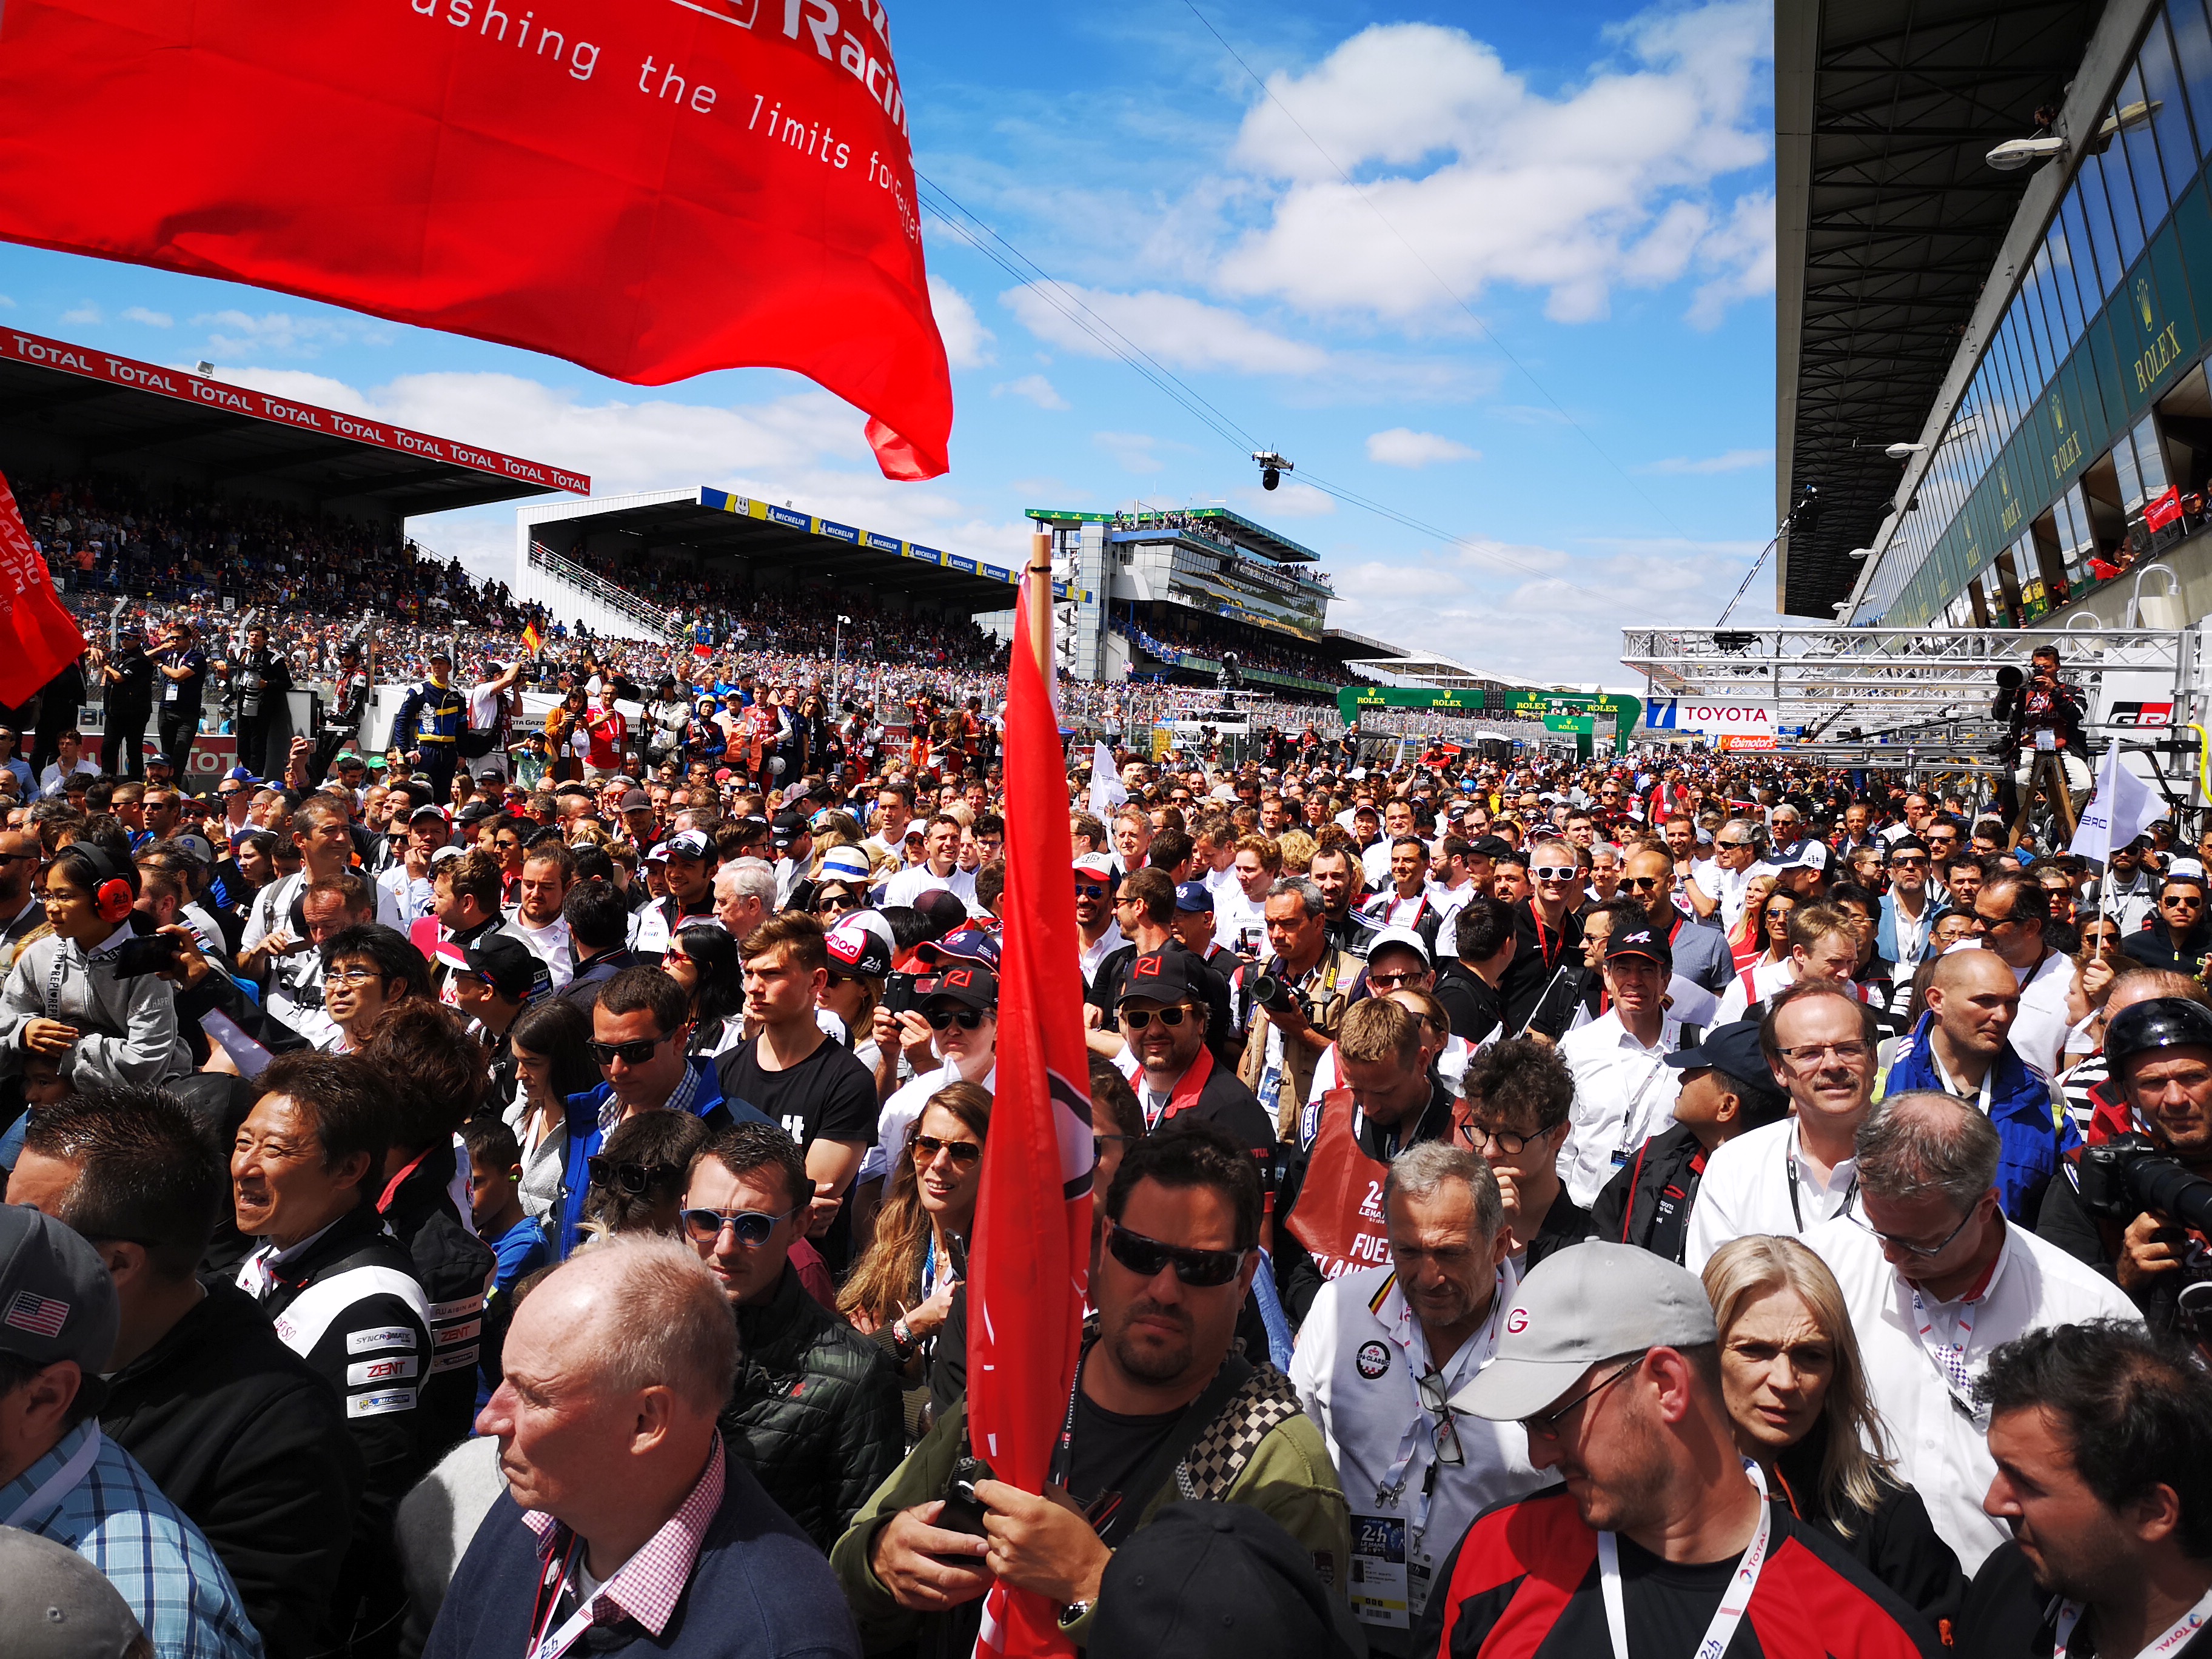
(1289, 1478)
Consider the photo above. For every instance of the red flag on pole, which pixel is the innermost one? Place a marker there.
(1032, 1258)
(38, 637)
(651, 188)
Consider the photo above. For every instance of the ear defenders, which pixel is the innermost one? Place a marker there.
(112, 896)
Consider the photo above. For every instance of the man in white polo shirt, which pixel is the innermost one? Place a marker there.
(1624, 1089)
(1720, 883)
(1788, 1177)
(1934, 1278)
(2010, 912)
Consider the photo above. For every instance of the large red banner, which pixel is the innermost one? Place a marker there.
(651, 188)
(1031, 1263)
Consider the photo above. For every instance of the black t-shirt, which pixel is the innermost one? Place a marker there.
(827, 1096)
(1473, 1007)
(1111, 1450)
(186, 691)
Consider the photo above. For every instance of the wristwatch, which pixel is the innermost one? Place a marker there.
(1073, 1614)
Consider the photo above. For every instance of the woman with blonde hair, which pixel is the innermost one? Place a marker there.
(901, 1291)
(1796, 1390)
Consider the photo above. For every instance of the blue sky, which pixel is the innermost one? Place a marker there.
(1539, 318)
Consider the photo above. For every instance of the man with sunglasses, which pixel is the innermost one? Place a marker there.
(1934, 1278)
(1905, 932)
(1380, 1356)
(1163, 1407)
(21, 858)
(2012, 912)
(816, 1413)
(1609, 1362)
(2180, 939)
(1163, 1011)
(640, 1035)
(1719, 886)
(1549, 940)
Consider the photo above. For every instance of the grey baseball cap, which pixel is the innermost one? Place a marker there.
(56, 1301)
(1593, 1302)
(54, 1604)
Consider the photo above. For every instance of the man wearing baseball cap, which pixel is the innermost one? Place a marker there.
(63, 1480)
(1725, 1089)
(1609, 1360)
(1624, 1090)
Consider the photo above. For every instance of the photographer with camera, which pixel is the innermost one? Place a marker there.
(1297, 1000)
(2138, 1208)
(2042, 715)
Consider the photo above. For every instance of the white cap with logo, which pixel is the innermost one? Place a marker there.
(1593, 1303)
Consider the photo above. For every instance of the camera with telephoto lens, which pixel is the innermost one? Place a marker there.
(2124, 1176)
(1273, 994)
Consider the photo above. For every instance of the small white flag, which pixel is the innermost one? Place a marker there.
(1106, 790)
(2116, 813)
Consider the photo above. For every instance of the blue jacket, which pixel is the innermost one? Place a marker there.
(2035, 1133)
(758, 1589)
(584, 1139)
(1885, 936)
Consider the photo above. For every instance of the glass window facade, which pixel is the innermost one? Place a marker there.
(2041, 483)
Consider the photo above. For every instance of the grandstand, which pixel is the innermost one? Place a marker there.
(1188, 588)
(642, 566)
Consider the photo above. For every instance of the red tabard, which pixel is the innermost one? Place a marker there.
(1339, 1214)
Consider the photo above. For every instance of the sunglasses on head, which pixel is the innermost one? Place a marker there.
(966, 1019)
(751, 1227)
(627, 1177)
(631, 1054)
(964, 1152)
(1146, 1257)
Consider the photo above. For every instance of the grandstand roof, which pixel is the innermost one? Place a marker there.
(715, 524)
(1224, 525)
(1889, 219)
(70, 405)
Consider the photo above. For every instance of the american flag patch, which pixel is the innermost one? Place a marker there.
(38, 1314)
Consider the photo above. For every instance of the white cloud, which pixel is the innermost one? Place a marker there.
(6, 304)
(1483, 180)
(1034, 387)
(1183, 333)
(1742, 252)
(86, 313)
(1402, 447)
(967, 342)
(1135, 450)
(150, 319)
(238, 334)
(1288, 500)
(1732, 460)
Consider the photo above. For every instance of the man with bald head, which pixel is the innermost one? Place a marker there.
(1961, 1047)
(622, 1508)
(1701, 951)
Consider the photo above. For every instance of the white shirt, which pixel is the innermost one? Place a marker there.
(1912, 934)
(1091, 956)
(1376, 862)
(2039, 1030)
(1728, 886)
(53, 781)
(1238, 923)
(1766, 978)
(1748, 1189)
(1624, 1095)
(908, 885)
(1941, 1451)
(548, 945)
(1359, 1356)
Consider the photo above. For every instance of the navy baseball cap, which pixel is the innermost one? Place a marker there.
(1194, 895)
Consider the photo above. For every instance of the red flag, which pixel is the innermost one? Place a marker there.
(38, 637)
(2163, 509)
(651, 188)
(1032, 1259)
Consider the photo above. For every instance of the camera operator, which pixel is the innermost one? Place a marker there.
(1298, 998)
(2043, 715)
(2102, 1437)
(2138, 1208)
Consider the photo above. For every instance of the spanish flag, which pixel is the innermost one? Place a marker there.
(532, 638)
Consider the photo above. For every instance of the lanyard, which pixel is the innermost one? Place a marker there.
(2069, 1614)
(1477, 1348)
(1733, 1600)
(1796, 1214)
(58, 1485)
(1948, 1356)
(1951, 1086)
(1627, 1147)
(549, 1644)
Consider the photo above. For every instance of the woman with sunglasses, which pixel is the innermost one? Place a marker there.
(637, 1176)
(959, 1026)
(702, 958)
(1796, 1391)
(901, 1291)
(1765, 927)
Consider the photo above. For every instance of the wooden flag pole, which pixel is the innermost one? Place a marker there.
(1038, 598)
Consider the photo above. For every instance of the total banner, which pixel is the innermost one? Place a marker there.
(653, 189)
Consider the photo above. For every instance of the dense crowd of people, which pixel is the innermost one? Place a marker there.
(520, 1196)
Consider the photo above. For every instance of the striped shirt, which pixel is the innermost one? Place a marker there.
(117, 1518)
